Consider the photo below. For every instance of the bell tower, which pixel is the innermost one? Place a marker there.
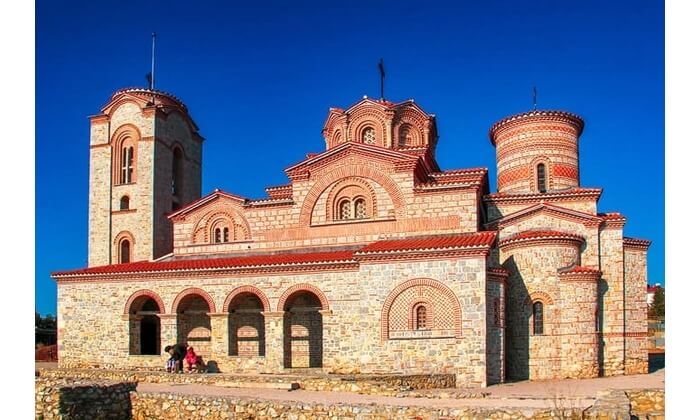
(145, 162)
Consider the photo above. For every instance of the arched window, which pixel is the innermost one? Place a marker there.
(344, 210)
(177, 172)
(360, 208)
(421, 317)
(127, 165)
(404, 136)
(124, 203)
(538, 318)
(124, 251)
(541, 178)
(225, 234)
(369, 136)
(217, 235)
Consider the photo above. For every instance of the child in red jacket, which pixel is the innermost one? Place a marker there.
(191, 360)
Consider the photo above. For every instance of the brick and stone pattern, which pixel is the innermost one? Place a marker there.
(636, 325)
(612, 300)
(475, 309)
(154, 132)
(350, 330)
(539, 137)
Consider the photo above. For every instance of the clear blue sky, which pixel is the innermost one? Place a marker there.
(259, 79)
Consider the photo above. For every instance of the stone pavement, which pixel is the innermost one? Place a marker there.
(572, 393)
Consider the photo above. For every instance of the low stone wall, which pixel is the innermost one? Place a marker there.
(66, 398)
(647, 403)
(162, 406)
(389, 385)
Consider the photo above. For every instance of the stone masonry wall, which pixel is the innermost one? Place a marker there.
(496, 323)
(636, 325)
(533, 277)
(303, 223)
(70, 398)
(612, 302)
(351, 327)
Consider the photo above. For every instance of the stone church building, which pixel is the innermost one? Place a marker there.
(371, 259)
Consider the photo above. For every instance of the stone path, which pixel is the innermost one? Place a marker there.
(535, 395)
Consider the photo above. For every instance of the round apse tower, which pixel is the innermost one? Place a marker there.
(537, 151)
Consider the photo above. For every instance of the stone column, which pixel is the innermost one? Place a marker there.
(168, 330)
(133, 328)
(219, 335)
(327, 325)
(274, 342)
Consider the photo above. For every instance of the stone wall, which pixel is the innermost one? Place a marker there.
(70, 398)
(533, 277)
(390, 385)
(351, 327)
(611, 292)
(636, 322)
(305, 222)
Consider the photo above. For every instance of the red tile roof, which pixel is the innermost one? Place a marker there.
(611, 216)
(472, 240)
(214, 263)
(540, 234)
(579, 270)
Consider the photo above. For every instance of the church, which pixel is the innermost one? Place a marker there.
(371, 259)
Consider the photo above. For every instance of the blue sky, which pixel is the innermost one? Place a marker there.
(259, 79)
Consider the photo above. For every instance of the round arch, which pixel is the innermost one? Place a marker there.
(456, 307)
(144, 293)
(193, 291)
(538, 296)
(347, 171)
(303, 287)
(246, 289)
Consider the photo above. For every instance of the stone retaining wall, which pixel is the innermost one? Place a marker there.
(162, 406)
(389, 385)
(61, 398)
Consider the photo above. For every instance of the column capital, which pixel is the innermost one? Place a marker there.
(325, 312)
(218, 314)
(273, 314)
(167, 316)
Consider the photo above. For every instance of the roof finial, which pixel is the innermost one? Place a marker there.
(382, 75)
(534, 98)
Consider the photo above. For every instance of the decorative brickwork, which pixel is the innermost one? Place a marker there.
(136, 299)
(297, 288)
(246, 289)
(188, 293)
(370, 259)
(443, 310)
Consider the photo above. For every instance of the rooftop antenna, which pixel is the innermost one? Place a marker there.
(382, 75)
(534, 98)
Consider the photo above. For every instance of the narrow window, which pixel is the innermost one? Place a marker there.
(369, 136)
(217, 235)
(124, 251)
(225, 234)
(344, 210)
(538, 318)
(124, 203)
(421, 317)
(360, 209)
(404, 136)
(541, 179)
